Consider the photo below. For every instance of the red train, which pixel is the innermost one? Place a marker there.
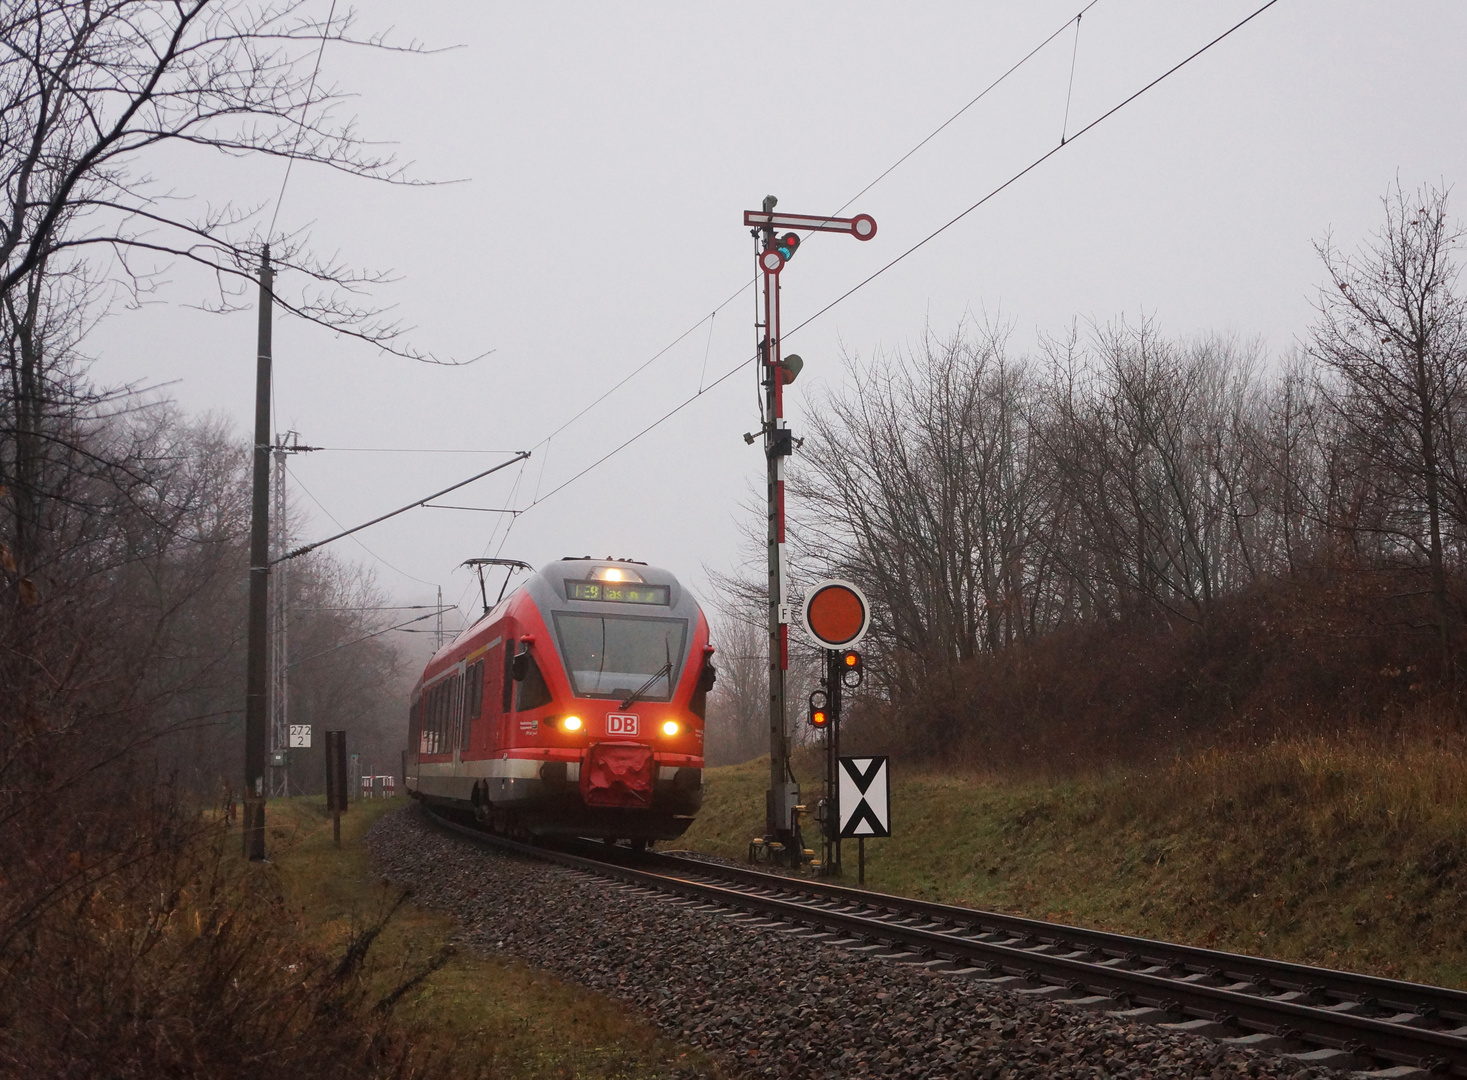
(573, 708)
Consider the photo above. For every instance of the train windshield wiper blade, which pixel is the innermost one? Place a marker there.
(665, 669)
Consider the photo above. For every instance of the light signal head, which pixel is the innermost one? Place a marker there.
(852, 669)
(819, 717)
(787, 245)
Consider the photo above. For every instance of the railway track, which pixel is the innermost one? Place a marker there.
(1381, 1027)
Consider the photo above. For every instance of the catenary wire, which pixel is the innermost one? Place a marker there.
(1070, 90)
(355, 540)
(364, 637)
(405, 450)
(882, 176)
(301, 127)
(1031, 167)
(307, 548)
(982, 94)
(513, 491)
(919, 244)
(709, 318)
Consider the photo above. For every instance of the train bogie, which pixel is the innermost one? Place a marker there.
(573, 708)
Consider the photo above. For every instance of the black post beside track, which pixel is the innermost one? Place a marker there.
(1372, 1018)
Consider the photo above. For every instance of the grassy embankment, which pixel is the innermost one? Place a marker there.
(519, 1023)
(1345, 852)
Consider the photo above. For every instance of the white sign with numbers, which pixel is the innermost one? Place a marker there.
(300, 736)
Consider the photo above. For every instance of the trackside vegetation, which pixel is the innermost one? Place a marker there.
(489, 1016)
(1345, 851)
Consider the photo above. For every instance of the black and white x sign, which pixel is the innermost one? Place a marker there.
(864, 792)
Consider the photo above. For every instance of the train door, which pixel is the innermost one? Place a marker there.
(505, 736)
(415, 737)
(455, 705)
(491, 715)
(473, 698)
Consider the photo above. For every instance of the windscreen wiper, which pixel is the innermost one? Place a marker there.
(665, 669)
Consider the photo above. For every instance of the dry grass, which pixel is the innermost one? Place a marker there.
(512, 1020)
(184, 960)
(179, 958)
(1346, 851)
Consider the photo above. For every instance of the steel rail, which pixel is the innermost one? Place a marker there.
(1097, 980)
(1263, 973)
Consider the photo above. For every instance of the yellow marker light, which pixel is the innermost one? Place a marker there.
(670, 728)
(571, 723)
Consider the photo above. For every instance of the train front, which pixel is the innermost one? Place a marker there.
(612, 668)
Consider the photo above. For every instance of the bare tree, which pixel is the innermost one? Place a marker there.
(1391, 334)
(920, 484)
(1153, 443)
(90, 92)
(738, 707)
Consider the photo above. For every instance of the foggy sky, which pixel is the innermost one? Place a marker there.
(604, 154)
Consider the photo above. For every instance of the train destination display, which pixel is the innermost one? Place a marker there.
(619, 592)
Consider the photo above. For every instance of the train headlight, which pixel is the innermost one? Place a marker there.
(571, 723)
(671, 727)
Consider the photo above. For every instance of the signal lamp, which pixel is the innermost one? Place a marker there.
(787, 245)
(571, 723)
(670, 728)
(819, 718)
(851, 668)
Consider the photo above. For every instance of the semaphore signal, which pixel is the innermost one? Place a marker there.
(773, 251)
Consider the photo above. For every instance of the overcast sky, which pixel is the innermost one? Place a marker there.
(607, 152)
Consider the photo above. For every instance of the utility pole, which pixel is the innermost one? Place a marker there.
(257, 656)
(773, 251)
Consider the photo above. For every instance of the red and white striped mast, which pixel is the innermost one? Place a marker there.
(775, 248)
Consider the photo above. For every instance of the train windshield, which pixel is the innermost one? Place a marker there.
(614, 656)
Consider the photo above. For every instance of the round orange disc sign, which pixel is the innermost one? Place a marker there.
(836, 614)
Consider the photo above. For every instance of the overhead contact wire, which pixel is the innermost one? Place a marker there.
(884, 174)
(919, 244)
(1032, 166)
(981, 95)
(1070, 92)
(301, 126)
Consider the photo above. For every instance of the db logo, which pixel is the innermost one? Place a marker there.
(621, 723)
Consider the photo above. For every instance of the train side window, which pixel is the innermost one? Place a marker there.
(476, 689)
(438, 719)
(532, 692)
(508, 675)
(473, 702)
(455, 711)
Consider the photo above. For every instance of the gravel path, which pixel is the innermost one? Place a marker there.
(765, 1003)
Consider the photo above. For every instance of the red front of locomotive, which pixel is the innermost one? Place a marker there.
(574, 708)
